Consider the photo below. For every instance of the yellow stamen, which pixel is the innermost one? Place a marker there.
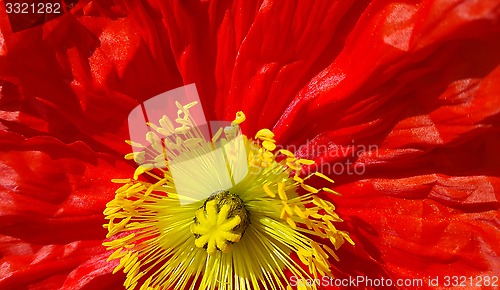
(240, 118)
(265, 134)
(237, 235)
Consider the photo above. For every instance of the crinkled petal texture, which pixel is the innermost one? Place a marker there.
(396, 101)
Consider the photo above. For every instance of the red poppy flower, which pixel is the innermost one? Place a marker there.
(395, 101)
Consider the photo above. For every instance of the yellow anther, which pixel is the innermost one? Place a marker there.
(330, 226)
(217, 135)
(264, 134)
(281, 191)
(155, 186)
(155, 141)
(304, 256)
(190, 105)
(153, 126)
(346, 236)
(287, 208)
(269, 145)
(118, 243)
(318, 251)
(331, 218)
(331, 252)
(286, 153)
(336, 240)
(240, 118)
(291, 222)
(118, 180)
(129, 156)
(268, 155)
(299, 212)
(166, 124)
(268, 191)
(130, 263)
(182, 130)
(283, 214)
(138, 187)
(309, 188)
(116, 254)
(330, 191)
(123, 188)
(138, 157)
(145, 286)
(183, 121)
(110, 209)
(324, 177)
(305, 161)
(141, 169)
(298, 179)
(134, 144)
(294, 166)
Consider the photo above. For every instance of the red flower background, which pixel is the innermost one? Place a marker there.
(418, 79)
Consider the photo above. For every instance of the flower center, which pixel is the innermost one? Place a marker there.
(160, 245)
(220, 222)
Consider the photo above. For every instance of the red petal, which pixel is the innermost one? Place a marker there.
(450, 232)
(371, 88)
(99, 70)
(417, 80)
(53, 196)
